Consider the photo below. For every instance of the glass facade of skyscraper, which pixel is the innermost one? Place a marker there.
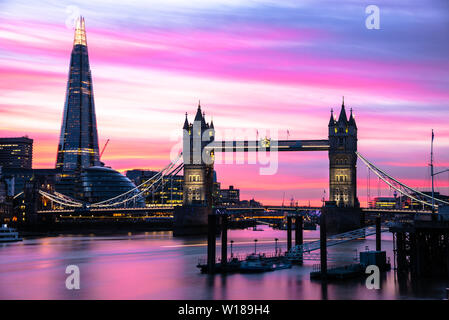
(78, 143)
(80, 173)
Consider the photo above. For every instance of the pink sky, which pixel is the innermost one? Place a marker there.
(250, 73)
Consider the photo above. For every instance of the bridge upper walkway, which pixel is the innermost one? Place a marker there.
(268, 145)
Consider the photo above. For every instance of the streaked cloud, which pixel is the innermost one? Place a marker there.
(254, 65)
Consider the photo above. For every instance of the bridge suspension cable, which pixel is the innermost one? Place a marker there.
(59, 200)
(154, 186)
(18, 195)
(147, 185)
(152, 183)
(399, 186)
(156, 177)
(67, 198)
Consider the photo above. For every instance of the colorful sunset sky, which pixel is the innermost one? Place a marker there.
(274, 64)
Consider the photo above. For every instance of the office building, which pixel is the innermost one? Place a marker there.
(16, 152)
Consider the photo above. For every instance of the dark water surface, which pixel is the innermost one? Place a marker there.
(154, 265)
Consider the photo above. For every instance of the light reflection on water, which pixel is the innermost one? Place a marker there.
(154, 265)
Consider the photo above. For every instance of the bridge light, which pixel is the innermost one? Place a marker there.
(266, 143)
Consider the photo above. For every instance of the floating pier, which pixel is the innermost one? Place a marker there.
(251, 263)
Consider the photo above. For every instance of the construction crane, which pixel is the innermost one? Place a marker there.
(104, 148)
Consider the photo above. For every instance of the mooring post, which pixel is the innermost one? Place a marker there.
(378, 236)
(211, 237)
(224, 239)
(323, 245)
(299, 237)
(289, 233)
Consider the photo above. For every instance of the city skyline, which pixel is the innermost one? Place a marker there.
(237, 70)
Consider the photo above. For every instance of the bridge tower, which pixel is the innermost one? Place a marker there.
(191, 218)
(343, 208)
(343, 160)
(198, 163)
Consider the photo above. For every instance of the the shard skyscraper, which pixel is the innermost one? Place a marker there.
(81, 174)
(78, 143)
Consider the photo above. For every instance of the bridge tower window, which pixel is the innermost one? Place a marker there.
(194, 178)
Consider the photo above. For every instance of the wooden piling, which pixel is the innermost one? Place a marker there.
(224, 240)
(299, 226)
(211, 242)
(323, 245)
(289, 233)
(378, 235)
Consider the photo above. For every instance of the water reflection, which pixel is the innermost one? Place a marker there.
(154, 265)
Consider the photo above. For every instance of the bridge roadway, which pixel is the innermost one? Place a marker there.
(162, 210)
(169, 209)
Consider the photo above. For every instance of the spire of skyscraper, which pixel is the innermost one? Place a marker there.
(78, 142)
(80, 32)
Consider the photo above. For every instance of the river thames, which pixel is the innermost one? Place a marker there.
(154, 265)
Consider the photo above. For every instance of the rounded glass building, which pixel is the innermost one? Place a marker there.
(102, 183)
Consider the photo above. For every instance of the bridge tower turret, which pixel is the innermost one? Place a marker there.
(343, 160)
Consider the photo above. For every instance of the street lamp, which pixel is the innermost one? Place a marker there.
(255, 246)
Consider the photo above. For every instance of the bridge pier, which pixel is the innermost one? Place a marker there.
(299, 226)
(299, 229)
(190, 220)
(342, 219)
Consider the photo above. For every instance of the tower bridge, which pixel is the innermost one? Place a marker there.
(200, 147)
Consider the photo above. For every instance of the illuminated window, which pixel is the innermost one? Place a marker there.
(194, 178)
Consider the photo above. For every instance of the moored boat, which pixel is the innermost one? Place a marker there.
(255, 263)
(8, 234)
